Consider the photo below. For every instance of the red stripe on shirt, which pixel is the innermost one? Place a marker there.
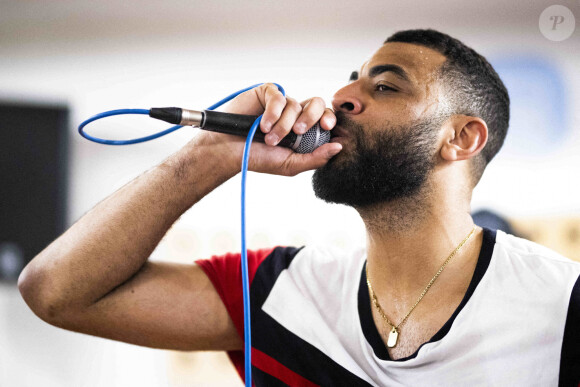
(272, 367)
(225, 273)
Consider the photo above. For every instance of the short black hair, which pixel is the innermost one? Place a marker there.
(477, 89)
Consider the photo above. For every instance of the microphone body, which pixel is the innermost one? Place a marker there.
(240, 125)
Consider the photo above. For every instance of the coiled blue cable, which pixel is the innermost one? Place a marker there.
(245, 160)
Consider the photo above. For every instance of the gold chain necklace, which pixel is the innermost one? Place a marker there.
(395, 329)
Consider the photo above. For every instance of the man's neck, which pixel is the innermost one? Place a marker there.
(409, 239)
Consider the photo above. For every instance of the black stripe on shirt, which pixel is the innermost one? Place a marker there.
(570, 357)
(260, 378)
(279, 343)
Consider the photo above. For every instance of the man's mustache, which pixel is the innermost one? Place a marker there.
(343, 120)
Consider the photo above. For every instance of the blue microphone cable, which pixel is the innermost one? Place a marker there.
(245, 160)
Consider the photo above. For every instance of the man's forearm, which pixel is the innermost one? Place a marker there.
(111, 242)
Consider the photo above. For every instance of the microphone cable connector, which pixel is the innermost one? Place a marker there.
(178, 116)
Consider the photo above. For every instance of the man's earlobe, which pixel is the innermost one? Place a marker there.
(466, 138)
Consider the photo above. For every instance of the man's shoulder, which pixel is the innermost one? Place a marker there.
(545, 274)
(329, 260)
(520, 248)
(313, 269)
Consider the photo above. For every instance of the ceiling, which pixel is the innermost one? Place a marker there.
(296, 21)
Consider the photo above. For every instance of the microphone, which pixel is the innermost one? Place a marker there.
(239, 125)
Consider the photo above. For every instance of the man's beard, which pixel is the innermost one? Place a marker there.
(392, 163)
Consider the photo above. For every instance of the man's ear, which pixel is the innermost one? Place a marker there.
(464, 137)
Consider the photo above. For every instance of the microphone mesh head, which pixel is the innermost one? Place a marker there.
(312, 139)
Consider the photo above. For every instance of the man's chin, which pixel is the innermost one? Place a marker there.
(333, 183)
(341, 159)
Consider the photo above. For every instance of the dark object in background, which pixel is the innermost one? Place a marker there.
(33, 164)
(492, 220)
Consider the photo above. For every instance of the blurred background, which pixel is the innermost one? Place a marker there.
(63, 61)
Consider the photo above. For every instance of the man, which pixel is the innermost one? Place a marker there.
(432, 300)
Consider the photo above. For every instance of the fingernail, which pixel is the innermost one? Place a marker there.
(334, 151)
(266, 126)
(330, 121)
(300, 127)
(273, 138)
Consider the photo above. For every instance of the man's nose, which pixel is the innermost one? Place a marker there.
(345, 101)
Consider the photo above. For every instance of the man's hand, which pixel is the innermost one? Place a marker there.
(280, 116)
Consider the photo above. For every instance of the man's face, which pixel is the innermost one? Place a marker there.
(388, 119)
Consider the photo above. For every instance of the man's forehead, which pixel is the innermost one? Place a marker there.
(417, 61)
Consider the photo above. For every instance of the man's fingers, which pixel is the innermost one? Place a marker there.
(284, 125)
(297, 163)
(273, 102)
(314, 110)
(328, 120)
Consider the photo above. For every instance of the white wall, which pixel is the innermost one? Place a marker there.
(104, 55)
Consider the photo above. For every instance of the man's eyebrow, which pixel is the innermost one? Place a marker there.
(397, 70)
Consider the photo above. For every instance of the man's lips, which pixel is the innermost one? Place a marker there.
(338, 135)
(338, 132)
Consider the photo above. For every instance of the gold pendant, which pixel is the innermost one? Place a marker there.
(393, 337)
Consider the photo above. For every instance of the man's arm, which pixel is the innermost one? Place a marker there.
(96, 277)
